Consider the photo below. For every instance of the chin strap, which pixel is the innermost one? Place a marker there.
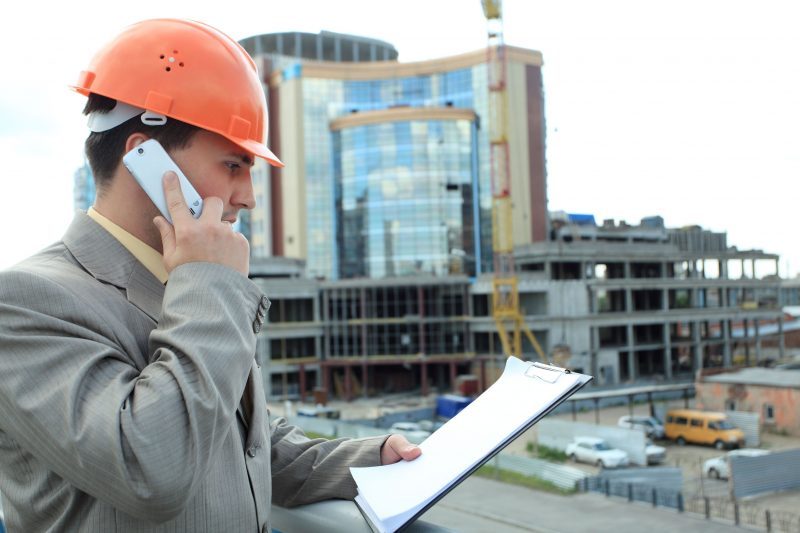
(122, 112)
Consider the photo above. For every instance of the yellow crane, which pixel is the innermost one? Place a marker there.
(505, 291)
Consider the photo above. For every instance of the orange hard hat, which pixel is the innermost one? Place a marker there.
(188, 71)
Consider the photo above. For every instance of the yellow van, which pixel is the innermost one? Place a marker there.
(702, 427)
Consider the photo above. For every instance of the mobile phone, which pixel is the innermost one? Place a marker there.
(147, 163)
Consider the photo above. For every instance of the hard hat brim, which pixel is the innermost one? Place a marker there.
(259, 150)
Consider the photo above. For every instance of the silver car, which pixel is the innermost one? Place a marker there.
(651, 425)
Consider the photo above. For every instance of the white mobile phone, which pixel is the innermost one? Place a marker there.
(147, 163)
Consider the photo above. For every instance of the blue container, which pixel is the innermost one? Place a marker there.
(449, 405)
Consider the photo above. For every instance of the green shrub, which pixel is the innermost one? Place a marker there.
(515, 478)
(547, 453)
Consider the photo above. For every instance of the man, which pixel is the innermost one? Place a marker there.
(127, 403)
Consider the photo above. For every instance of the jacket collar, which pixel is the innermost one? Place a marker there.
(105, 258)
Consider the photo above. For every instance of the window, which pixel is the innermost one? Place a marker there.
(730, 405)
(769, 412)
(682, 420)
(697, 423)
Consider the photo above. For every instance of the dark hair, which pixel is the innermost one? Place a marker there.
(104, 150)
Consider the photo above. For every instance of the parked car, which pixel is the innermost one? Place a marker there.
(597, 452)
(702, 427)
(411, 430)
(719, 467)
(655, 453)
(651, 425)
(319, 411)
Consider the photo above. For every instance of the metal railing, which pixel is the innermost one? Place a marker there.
(744, 514)
(719, 509)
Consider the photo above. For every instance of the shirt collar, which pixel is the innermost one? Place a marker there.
(148, 256)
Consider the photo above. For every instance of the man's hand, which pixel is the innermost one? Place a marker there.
(207, 239)
(397, 447)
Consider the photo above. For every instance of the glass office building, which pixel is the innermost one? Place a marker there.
(387, 163)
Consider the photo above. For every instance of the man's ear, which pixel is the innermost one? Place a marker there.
(134, 140)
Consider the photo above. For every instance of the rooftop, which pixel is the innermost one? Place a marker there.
(769, 377)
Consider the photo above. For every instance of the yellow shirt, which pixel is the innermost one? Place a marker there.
(149, 257)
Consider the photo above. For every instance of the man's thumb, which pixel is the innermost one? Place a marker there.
(167, 234)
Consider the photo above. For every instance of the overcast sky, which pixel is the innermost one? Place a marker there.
(685, 109)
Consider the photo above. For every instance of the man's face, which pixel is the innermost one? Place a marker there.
(217, 167)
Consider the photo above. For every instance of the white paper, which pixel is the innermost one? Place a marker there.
(504, 408)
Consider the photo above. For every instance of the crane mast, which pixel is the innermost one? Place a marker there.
(505, 290)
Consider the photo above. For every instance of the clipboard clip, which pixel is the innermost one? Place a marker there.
(547, 373)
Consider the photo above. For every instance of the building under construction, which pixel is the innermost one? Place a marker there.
(625, 303)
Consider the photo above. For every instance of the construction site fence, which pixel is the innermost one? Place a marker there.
(634, 492)
(743, 514)
(562, 476)
(718, 509)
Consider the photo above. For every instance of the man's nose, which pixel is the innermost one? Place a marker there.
(244, 197)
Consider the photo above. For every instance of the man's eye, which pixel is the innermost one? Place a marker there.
(231, 165)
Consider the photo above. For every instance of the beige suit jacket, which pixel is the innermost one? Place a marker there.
(126, 405)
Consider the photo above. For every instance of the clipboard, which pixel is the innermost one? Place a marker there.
(391, 497)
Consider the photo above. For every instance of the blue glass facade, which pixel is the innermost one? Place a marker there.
(404, 198)
(399, 197)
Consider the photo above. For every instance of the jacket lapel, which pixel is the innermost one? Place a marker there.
(105, 258)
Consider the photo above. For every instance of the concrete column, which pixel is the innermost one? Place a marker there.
(594, 350)
(723, 269)
(364, 379)
(421, 313)
(317, 348)
(627, 267)
(631, 355)
(758, 340)
(698, 347)
(742, 276)
(326, 379)
(363, 313)
(665, 299)
(726, 347)
(667, 352)
(628, 300)
(348, 383)
(781, 339)
(266, 354)
(301, 371)
(326, 328)
(746, 340)
(423, 374)
(753, 264)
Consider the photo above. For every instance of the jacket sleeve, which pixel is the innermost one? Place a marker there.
(309, 470)
(139, 439)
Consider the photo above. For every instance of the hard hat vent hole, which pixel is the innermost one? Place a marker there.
(180, 64)
(168, 69)
(161, 56)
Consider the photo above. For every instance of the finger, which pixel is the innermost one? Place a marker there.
(408, 451)
(167, 234)
(396, 448)
(174, 197)
(212, 209)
